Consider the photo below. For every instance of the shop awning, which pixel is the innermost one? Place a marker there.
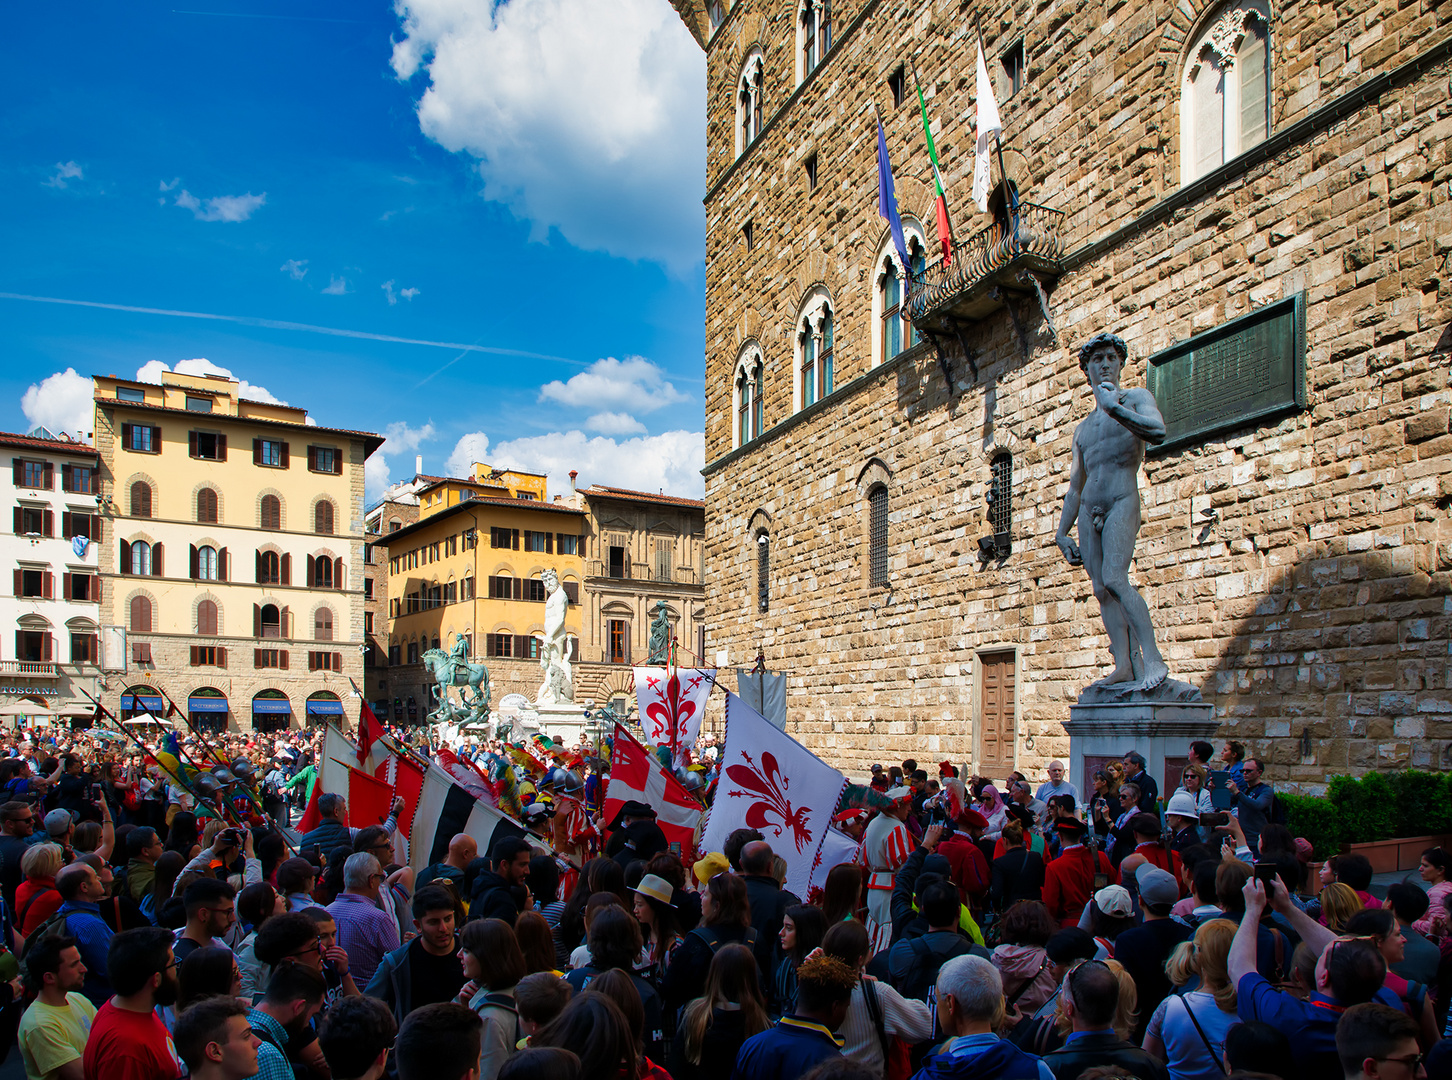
(207, 704)
(152, 703)
(276, 706)
(324, 707)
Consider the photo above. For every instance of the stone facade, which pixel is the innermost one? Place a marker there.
(1299, 569)
(387, 516)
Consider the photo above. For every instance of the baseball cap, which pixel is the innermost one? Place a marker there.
(1114, 900)
(57, 822)
(1157, 888)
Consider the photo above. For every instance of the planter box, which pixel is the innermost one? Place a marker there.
(1397, 853)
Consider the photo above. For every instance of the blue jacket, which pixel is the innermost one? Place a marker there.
(93, 939)
(786, 1051)
(982, 1057)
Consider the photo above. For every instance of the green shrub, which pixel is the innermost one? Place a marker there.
(1365, 807)
(1423, 803)
(1315, 818)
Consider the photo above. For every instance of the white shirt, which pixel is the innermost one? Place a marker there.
(907, 1017)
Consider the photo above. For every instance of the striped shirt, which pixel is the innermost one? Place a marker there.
(364, 932)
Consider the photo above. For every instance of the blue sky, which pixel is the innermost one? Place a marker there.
(523, 179)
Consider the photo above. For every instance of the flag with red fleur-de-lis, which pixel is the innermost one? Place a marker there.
(773, 784)
(672, 701)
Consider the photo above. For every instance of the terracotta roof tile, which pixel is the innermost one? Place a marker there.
(52, 446)
(602, 491)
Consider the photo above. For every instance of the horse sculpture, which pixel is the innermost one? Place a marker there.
(467, 676)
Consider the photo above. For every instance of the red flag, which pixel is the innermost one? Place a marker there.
(408, 780)
(634, 774)
(312, 817)
(369, 799)
(369, 728)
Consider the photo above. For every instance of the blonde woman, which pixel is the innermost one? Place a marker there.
(1126, 1013)
(1187, 1031)
(1338, 903)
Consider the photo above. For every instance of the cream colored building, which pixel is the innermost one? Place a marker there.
(231, 553)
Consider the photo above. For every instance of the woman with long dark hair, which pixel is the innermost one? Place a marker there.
(802, 927)
(597, 875)
(492, 962)
(207, 972)
(615, 943)
(536, 942)
(594, 1028)
(1435, 867)
(659, 924)
(721, 1019)
(841, 892)
(725, 920)
(183, 837)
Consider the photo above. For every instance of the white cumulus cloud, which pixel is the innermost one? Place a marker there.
(337, 286)
(152, 369)
(586, 117)
(470, 448)
(398, 438)
(64, 173)
(671, 461)
(232, 208)
(60, 402)
(393, 295)
(409, 293)
(297, 269)
(615, 423)
(633, 385)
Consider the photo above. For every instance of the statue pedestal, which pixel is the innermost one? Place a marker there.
(564, 722)
(1160, 730)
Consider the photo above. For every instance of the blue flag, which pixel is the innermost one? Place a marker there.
(887, 199)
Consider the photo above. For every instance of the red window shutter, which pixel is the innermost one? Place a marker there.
(156, 440)
(257, 658)
(47, 646)
(195, 661)
(94, 641)
(222, 565)
(257, 451)
(192, 443)
(284, 620)
(514, 539)
(19, 639)
(48, 479)
(312, 661)
(312, 458)
(286, 562)
(338, 573)
(126, 556)
(257, 620)
(17, 471)
(282, 659)
(221, 656)
(66, 585)
(312, 569)
(221, 447)
(47, 527)
(125, 441)
(521, 645)
(626, 635)
(259, 567)
(574, 649)
(338, 662)
(48, 585)
(156, 570)
(572, 591)
(66, 482)
(19, 515)
(284, 455)
(19, 585)
(66, 524)
(194, 561)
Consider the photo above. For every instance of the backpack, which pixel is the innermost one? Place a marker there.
(20, 917)
(714, 942)
(505, 1002)
(921, 978)
(896, 1053)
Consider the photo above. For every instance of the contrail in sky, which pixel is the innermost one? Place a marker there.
(278, 324)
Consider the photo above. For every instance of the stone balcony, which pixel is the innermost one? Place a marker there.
(28, 669)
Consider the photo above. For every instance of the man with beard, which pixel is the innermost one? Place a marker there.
(294, 996)
(128, 1041)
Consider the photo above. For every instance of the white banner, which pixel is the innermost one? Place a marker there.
(837, 848)
(774, 784)
(671, 703)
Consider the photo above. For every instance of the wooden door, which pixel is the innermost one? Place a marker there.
(996, 715)
(1174, 773)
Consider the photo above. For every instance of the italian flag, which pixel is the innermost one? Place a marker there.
(945, 230)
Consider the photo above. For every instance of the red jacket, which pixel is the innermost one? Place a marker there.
(970, 868)
(1154, 854)
(1069, 882)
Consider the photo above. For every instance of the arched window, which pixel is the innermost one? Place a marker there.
(763, 571)
(270, 622)
(141, 499)
(207, 618)
(748, 101)
(323, 624)
(1000, 501)
(814, 35)
(206, 563)
(207, 505)
(268, 568)
(1225, 88)
(893, 333)
(748, 392)
(322, 572)
(271, 512)
(891, 287)
(815, 364)
(140, 615)
(323, 518)
(141, 558)
(877, 536)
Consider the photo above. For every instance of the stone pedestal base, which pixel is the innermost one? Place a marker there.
(565, 723)
(1157, 729)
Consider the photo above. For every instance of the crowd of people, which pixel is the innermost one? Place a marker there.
(985, 930)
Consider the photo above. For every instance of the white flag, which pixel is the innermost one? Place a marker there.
(774, 784)
(989, 125)
(671, 703)
(837, 848)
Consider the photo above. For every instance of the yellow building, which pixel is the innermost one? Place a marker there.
(472, 564)
(231, 553)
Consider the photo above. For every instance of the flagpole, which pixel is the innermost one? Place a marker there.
(1010, 195)
(918, 87)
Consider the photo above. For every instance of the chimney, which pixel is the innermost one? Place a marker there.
(417, 464)
(573, 473)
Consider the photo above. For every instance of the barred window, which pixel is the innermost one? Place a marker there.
(877, 536)
(763, 571)
(1000, 501)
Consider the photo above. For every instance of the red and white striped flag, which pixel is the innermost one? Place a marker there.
(635, 774)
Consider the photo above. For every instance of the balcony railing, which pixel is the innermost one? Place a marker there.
(679, 575)
(1005, 255)
(27, 669)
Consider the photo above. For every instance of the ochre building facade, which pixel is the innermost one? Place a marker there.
(1178, 168)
